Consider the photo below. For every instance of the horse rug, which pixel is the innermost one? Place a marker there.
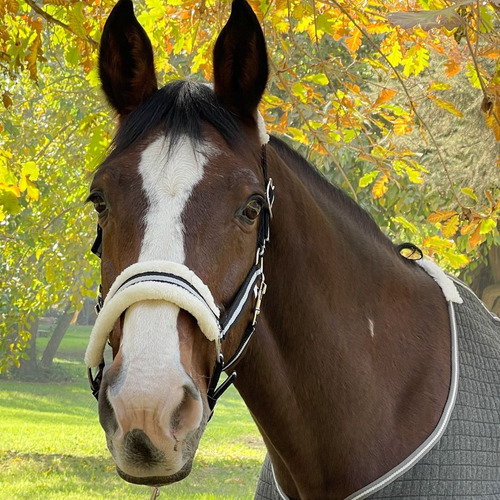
(461, 458)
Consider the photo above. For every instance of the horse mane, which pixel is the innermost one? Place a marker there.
(329, 196)
(177, 109)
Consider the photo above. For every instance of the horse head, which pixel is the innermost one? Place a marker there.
(180, 201)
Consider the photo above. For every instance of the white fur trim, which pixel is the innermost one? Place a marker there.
(117, 302)
(261, 127)
(450, 291)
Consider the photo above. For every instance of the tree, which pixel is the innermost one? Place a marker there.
(356, 85)
(52, 134)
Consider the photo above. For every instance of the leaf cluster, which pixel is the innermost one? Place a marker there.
(351, 81)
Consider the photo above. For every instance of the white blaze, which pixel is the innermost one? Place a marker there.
(150, 342)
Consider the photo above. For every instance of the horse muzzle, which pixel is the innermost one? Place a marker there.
(152, 429)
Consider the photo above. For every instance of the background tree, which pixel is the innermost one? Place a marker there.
(374, 96)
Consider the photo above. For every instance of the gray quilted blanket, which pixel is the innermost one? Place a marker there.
(461, 459)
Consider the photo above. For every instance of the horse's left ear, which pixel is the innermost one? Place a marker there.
(126, 64)
(240, 62)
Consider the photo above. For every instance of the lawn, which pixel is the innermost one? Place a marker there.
(52, 447)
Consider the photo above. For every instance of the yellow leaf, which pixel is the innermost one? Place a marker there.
(445, 105)
(33, 192)
(450, 227)
(30, 170)
(470, 193)
(395, 56)
(32, 56)
(438, 86)
(401, 126)
(353, 42)
(441, 215)
(380, 186)
(415, 60)
(385, 95)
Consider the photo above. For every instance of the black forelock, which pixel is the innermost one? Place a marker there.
(178, 109)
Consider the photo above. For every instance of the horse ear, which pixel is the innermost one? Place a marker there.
(240, 62)
(126, 63)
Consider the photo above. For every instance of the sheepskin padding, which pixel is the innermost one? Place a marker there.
(261, 127)
(118, 300)
(450, 291)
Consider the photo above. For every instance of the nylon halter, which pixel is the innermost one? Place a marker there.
(179, 285)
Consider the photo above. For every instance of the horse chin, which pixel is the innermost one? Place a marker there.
(157, 480)
(154, 468)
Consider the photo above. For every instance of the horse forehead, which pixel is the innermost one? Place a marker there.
(171, 170)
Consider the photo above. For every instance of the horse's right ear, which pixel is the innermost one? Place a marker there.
(126, 64)
(240, 62)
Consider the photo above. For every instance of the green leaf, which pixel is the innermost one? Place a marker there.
(488, 225)
(470, 193)
(320, 79)
(367, 179)
(10, 202)
(405, 223)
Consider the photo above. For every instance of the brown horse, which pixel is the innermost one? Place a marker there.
(349, 369)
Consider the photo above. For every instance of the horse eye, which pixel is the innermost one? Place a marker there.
(100, 205)
(251, 210)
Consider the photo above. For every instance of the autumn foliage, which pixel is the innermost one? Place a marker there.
(342, 89)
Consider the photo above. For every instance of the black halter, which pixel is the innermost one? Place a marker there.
(254, 284)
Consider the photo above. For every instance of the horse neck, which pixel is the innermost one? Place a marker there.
(341, 311)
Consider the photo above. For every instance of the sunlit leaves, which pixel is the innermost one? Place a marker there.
(347, 87)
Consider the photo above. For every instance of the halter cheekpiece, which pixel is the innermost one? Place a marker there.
(175, 283)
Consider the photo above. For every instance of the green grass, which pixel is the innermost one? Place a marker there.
(52, 447)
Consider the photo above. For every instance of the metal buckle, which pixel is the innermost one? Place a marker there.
(270, 195)
(260, 294)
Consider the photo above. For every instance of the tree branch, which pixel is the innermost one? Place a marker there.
(410, 100)
(51, 19)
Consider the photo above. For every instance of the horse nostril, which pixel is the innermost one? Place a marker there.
(140, 450)
(187, 416)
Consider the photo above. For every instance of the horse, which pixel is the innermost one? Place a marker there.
(348, 364)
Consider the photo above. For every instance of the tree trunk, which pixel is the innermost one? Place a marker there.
(61, 328)
(29, 367)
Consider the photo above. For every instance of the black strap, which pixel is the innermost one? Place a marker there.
(96, 248)
(95, 382)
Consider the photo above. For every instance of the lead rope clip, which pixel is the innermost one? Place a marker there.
(155, 493)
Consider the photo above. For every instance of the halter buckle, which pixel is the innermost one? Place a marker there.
(270, 195)
(260, 294)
